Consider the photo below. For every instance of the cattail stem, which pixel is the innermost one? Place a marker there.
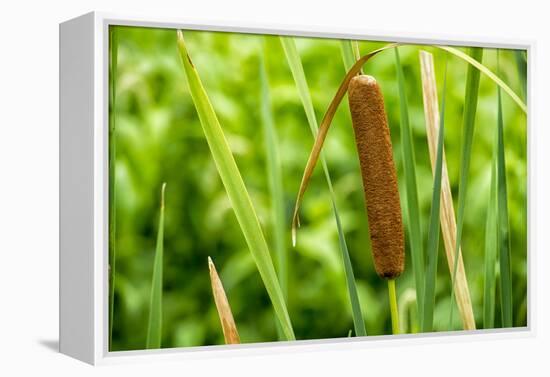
(393, 306)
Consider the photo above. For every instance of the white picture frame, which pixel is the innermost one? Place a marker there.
(84, 190)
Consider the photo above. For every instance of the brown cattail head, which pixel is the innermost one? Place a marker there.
(372, 137)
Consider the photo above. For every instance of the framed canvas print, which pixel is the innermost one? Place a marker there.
(228, 189)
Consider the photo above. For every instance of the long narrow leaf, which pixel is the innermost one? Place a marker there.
(503, 225)
(407, 312)
(521, 64)
(491, 247)
(346, 48)
(356, 52)
(113, 57)
(468, 123)
(154, 328)
(229, 328)
(235, 188)
(411, 188)
(350, 52)
(476, 63)
(274, 175)
(275, 179)
(433, 234)
(447, 215)
(297, 70)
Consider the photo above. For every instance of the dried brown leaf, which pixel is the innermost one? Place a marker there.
(229, 328)
(447, 214)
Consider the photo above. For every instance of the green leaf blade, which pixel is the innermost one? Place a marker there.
(275, 182)
(154, 328)
(468, 124)
(503, 224)
(433, 234)
(346, 48)
(521, 65)
(491, 248)
(474, 63)
(235, 188)
(411, 188)
(295, 64)
(275, 177)
(350, 53)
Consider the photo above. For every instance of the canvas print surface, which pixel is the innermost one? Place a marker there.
(266, 188)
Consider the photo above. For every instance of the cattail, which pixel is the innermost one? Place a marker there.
(374, 147)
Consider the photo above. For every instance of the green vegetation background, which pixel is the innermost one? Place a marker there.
(159, 139)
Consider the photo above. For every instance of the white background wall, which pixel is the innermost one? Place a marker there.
(29, 184)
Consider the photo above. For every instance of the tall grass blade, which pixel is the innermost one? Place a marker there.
(235, 188)
(275, 179)
(350, 52)
(113, 57)
(491, 247)
(229, 328)
(154, 328)
(356, 51)
(411, 188)
(503, 225)
(468, 123)
(521, 64)
(346, 48)
(297, 70)
(275, 182)
(447, 215)
(475, 63)
(407, 312)
(433, 233)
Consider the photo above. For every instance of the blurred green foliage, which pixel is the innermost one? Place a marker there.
(159, 139)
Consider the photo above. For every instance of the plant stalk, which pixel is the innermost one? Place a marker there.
(393, 306)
